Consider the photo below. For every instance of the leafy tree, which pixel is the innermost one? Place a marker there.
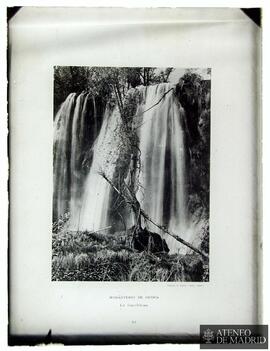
(68, 79)
(109, 83)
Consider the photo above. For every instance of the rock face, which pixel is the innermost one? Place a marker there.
(144, 240)
(193, 268)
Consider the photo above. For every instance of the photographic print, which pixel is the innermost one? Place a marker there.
(131, 174)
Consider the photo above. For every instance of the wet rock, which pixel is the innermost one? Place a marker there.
(144, 240)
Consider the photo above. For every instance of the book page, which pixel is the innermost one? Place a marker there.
(220, 46)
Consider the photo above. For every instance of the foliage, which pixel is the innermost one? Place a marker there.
(204, 236)
(61, 223)
(194, 95)
(68, 79)
(110, 83)
(99, 257)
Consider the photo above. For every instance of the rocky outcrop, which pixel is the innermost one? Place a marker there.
(144, 240)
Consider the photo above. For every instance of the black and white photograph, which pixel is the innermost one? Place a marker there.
(131, 164)
(135, 174)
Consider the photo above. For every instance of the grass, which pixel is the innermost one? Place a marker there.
(85, 256)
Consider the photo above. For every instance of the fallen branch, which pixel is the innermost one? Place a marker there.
(133, 201)
(176, 237)
(91, 232)
(140, 114)
(162, 97)
(101, 229)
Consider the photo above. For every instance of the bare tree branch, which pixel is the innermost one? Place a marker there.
(140, 114)
(176, 237)
(162, 97)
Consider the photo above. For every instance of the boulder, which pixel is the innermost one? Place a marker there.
(144, 240)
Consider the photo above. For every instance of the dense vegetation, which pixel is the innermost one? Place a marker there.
(194, 96)
(109, 257)
(108, 83)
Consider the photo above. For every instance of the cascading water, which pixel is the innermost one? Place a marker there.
(162, 155)
(62, 142)
(162, 177)
(75, 129)
(93, 211)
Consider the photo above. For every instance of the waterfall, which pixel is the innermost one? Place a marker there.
(92, 213)
(75, 128)
(62, 143)
(162, 188)
(162, 193)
